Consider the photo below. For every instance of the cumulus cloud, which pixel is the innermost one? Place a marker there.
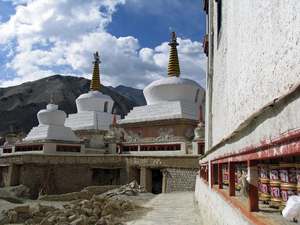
(58, 37)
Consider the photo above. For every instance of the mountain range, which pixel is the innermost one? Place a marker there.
(20, 104)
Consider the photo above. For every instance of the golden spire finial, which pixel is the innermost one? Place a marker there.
(173, 68)
(95, 83)
(52, 99)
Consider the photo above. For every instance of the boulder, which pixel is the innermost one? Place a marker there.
(22, 209)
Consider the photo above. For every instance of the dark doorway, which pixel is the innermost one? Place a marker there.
(157, 181)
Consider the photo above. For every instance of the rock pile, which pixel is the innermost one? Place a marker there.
(132, 188)
(98, 210)
(86, 209)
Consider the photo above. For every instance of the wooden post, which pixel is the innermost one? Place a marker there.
(231, 167)
(220, 175)
(253, 190)
(164, 181)
(212, 177)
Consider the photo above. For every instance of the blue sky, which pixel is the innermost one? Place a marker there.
(46, 37)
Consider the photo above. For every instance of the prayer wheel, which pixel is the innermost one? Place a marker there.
(298, 178)
(275, 184)
(265, 182)
(259, 183)
(225, 173)
(235, 176)
(288, 175)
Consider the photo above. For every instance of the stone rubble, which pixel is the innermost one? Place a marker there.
(98, 209)
(132, 188)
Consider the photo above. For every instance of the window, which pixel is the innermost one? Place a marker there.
(196, 97)
(201, 148)
(105, 106)
(29, 148)
(7, 150)
(63, 148)
(144, 148)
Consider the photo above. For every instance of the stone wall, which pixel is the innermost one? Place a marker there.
(74, 173)
(181, 179)
(3, 175)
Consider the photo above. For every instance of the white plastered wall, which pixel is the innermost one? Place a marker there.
(256, 61)
(214, 209)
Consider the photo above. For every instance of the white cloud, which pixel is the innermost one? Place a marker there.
(59, 37)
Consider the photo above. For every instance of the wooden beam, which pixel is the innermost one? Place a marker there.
(253, 190)
(283, 145)
(212, 173)
(231, 167)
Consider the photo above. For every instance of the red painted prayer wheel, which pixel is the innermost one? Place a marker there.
(265, 182)
(265, 188)
(288, 175)
(264, 171)
(275, 184)
(225, 174)
(298, 178)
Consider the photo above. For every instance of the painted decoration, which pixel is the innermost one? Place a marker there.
(134, 137)
(166, 133)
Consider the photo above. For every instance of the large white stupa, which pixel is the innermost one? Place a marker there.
(94, 109)
(166, 124)
(169, 98)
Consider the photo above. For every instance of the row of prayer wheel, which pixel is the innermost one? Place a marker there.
(276, 182)
(240, 170)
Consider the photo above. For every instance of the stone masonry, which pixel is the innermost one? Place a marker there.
(181, 179)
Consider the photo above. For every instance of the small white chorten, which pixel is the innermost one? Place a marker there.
(51, 126)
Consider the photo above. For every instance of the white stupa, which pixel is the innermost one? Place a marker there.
(51, 126)
(169, 98)
(94, 109)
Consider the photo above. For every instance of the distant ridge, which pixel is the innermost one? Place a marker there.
(19, 104)
(135, 95)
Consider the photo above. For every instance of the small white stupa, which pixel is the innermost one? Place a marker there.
(51, 126)
(94, 109)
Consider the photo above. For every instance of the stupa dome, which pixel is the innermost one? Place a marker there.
(51, 115)
(173, 89)
(94, 101)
